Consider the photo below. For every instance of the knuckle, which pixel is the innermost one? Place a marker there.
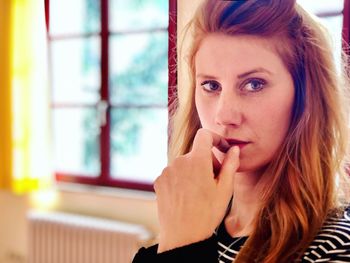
(202, 132)
(156, 184)
(161, 179)
(164, 172)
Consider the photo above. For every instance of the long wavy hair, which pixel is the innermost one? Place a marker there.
(307, 177)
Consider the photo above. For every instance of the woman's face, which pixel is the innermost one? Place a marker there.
(244, 93)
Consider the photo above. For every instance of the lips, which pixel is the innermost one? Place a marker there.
(235, 142)
(227, 143)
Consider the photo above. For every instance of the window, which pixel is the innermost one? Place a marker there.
(109, 90)
(331, 14)
(111, 84)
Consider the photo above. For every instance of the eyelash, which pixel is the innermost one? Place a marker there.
(261, 83)
(210, 82)
(217, 88)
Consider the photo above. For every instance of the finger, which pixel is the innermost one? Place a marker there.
(229, 166)
(205, 140)
(223, 146)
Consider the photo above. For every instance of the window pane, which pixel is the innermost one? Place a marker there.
(334, 25)
(322, 6)
(139, 68)
(138, 14)
(74, 17)
(76, 70)
(76, 141)
(139, 143)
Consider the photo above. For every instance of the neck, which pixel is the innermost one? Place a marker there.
(245, 205)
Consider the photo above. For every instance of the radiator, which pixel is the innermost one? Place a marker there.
(66, 238)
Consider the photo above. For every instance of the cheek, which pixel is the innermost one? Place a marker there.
(205, 110)
(275, 119)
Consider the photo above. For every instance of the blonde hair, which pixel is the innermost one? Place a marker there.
(302, 189)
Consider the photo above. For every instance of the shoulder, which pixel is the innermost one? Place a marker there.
(336, 230)
(332, 243)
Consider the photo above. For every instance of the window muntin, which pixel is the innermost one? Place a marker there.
(104, 133)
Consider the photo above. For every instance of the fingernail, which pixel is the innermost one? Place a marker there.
(236, 150)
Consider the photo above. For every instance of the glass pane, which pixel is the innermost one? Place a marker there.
(138, 14)
(322, 6)
(334, 24)
(76, 70)
(76, 141)
(139, 143)
(139, 68)
(74, 17)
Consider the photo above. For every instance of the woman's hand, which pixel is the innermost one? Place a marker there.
(192, 198)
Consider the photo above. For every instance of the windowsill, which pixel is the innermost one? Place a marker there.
(105, 191)
(131, 206)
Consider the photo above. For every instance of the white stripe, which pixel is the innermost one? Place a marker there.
(228, 249)
(332, 237)
(337, 251)
(322, 260)
(313, 246)
(323, 248)
(315, 253)
(332, 227)
(225, 256)
(320, 242)
(337, 222)
(347, 216)
(337, 231)
(308, 259)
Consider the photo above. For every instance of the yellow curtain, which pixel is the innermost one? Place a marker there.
(26, 105)
(5, 95)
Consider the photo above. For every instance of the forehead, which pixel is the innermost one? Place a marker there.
(243, 52)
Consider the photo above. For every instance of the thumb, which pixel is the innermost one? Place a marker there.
(229, 166)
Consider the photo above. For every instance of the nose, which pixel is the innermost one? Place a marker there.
(229, 109)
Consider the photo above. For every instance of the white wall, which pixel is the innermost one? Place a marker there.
(129, 206)
(12, 226)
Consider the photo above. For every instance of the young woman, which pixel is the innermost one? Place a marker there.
(257, 167)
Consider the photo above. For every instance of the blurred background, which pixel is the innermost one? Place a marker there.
(84, 92)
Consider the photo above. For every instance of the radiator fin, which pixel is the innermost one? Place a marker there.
(67, 238)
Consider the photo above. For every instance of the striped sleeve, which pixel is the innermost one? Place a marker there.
(332, 244)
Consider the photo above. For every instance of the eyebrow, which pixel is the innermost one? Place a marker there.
(257, 70)
(240, 76)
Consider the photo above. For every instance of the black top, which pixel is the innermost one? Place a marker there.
(332, 244)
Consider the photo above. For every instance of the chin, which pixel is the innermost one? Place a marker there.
(251, 167)
(245, 164)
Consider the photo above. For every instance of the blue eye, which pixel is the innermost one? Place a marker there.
(211, 85)
(254, 85)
